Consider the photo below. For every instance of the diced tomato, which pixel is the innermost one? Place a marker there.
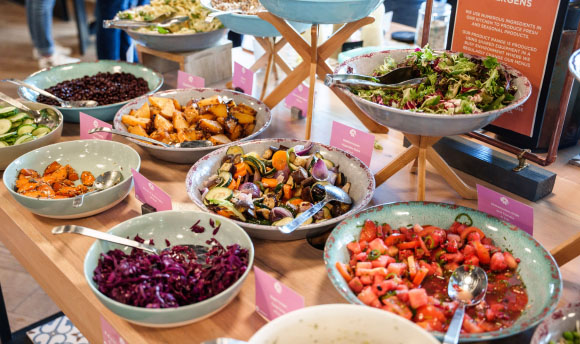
(482, 252)
(404, 254)
(426, 231)
(387, 230)
(366, 279)
(394, 239)
(453, 257)
(420, 276)
(474, 236)
(450, 266)
(379, 245)
(361, 256)
(383, 261)
(452, 246)
(490, 315)
(384, 287)
(363, 245)
(486, 241)
(469, 230)
(510, 261)
(424, 247)
(431, 325)
(408, 245)
(343, 269)
(436, 269)
(369, 231)
(498, 262)
(355, 285)
(363, 265)
(449, 307)
(470, 326)
(367, 296)
(394, 305)
(471, 260)
(376, 303)
(354, 247)
(392, 251)
(429, 312)
(468, 250)
(417, 297)
(397, 268)
(457, 227)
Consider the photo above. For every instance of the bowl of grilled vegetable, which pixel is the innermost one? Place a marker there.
(20, 133)
(177, 116)
(50, 181)
(264, 184)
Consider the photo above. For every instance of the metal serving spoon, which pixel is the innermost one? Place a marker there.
(199, 250)
(212, 15)
(104, 181)
(63, 103)
(128, 24)
(45, 117)
(467, 285)
(185, 144)
(396, 78)
(331, 193)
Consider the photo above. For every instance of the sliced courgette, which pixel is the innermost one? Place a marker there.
(21, 116)
(16, 124)
(228, 206)
(40, 131)
(255, 164)
(28, 121)
(5, 126)
(25, 129)
(8, 111)
(219, 193)
(283, 221)
(23, 139)
(329, 164)
(4, 144)
(6, 136)
(225, 179)
(235, 150)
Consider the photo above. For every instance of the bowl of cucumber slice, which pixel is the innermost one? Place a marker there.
(19, 133)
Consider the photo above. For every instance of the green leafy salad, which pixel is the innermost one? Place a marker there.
(454, 84)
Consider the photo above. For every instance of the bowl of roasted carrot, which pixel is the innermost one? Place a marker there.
(48, 180)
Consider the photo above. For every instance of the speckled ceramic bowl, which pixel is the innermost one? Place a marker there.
(8, 154)
(191, 155)
(252, 25)
(361, 178)
(341, 324)
(48, 77)
(424, 123)
(96, 156)
(178, 42)
(175, 227)
(538, 269)
(562, 320)
(321, 11)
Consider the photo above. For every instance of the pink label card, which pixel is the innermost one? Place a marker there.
(273, 298)
(88, 122)
(298, 98)
(149, 193)
(185, 80)
(505, 208)
(110, 335)
(243, 79)
(354, 141)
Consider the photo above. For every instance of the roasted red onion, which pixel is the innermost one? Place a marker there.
(319, 170)
(250, 188)
(278, 213)
(303, 150)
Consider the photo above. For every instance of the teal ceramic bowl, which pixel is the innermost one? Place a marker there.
(537, 268)
(96, 156)
(252, 25)
(175, 227)
(321, 11)
(51, 76)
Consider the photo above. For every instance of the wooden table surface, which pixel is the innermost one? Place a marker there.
(56, 262)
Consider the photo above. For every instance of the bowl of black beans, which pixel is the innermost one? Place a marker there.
(110, 83)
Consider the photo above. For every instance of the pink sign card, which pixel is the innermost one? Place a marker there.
(505, 208)
(110, 335)
(354, 141)
(243, 78)
(186, 80)
(273, 298)
(298, 98)
(88, 122)
(149, 193)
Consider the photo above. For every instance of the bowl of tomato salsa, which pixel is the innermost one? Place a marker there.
(399, 256)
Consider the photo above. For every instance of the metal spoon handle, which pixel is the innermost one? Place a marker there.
(291, 227)
(124, 24)
(79, 200)
(212, 15)
(122, 133)
(36, 89)
(103, 236)
(14, 102)
(452, 335)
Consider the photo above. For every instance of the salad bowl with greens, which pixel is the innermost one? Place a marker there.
(460, 92)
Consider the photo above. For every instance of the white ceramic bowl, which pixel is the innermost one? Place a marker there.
(341, 324)
(8, 154)
(361, 178)
(425, 123)
(96, 156)
(562, 320)
(191, 155)
(175, 227)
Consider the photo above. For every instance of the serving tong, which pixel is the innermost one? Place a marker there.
(160, 21)
(395, 79)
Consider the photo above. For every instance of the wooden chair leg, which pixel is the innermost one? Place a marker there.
(450, 176)
(396, 165)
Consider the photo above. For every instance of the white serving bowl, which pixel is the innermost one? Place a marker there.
(96, 156)
(361, 178)
(191, 155)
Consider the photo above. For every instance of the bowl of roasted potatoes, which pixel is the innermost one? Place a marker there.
(175, 117)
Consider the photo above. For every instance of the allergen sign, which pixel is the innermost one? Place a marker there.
(517, 32)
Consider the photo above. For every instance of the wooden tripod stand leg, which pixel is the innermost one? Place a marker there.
(450, 176)
(421, 173)
(313, 63)
(396, 165)
(270, 53)
(567, 250)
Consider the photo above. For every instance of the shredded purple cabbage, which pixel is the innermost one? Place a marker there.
(197, 228)
(171, 279)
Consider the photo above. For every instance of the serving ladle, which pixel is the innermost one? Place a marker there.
(330, 192)
(129, 24)
(62, 102)
(104, 181)
(184, 144)
(395, 79)
(467, 285)
(41, 117)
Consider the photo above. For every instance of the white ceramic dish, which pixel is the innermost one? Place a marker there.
(191, 155)
(96, 156)
(361, 178)
(341, 324)
(424, 123)
(562, 320)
